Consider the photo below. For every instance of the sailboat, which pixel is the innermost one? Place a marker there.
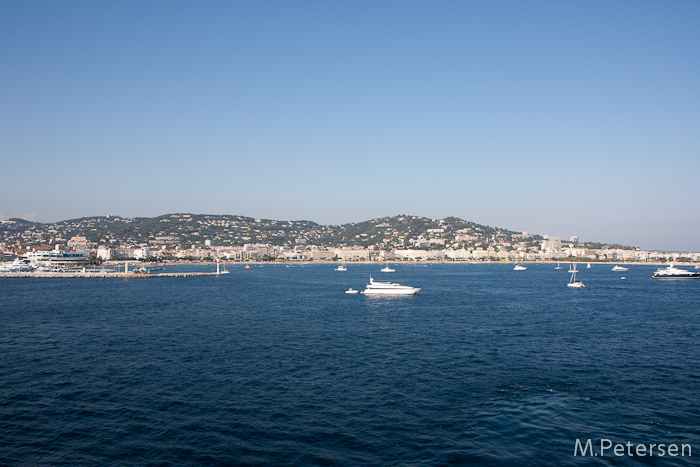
(558, 266)
(573, 282)
(588, 266)
(387, 269)
(219, 270)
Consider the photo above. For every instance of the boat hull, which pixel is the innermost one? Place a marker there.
(411, 291)
(684, 276)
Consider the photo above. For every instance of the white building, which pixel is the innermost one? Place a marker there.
(352, 254)
(551, 243)
(104, 253)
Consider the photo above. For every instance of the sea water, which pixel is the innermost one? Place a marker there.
(278, 366)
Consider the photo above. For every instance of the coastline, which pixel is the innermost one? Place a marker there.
(97, 273)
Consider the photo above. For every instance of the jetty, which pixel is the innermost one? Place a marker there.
(100, 275)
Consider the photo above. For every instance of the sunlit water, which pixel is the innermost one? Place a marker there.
(278, 366)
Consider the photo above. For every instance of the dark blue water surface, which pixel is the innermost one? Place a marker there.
(278, 366)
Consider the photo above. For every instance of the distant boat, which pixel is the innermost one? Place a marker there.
(558, 266)
(248, 266)
(341, 268)
(18, 265)
(588, 265)
(672, 272)
(387, 269)
(351, 290)
(573, 282)
(519, 267)
(219, 270)
(617, 267)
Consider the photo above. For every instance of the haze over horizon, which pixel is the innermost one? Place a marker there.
(556, 118)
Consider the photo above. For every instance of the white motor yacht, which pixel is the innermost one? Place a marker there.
(341, 268)
(672, 272)
(617, 267)
(387, 269)
(18, 265)
(519, 267)
(388, 288)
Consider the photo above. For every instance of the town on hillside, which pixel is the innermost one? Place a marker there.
(202, 237)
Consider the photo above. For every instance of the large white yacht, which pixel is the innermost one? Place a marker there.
(388, 288)
(672, 272)
(617, 267)
(18, 265)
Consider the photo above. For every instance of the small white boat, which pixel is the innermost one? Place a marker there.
(341, 268)
(388, 288)
(558, 266)
(220, 271)
(387, 269)
(519, 267)
(351, 290)
(617, 267)
(672, 272)
(588, 266)
(573, 282)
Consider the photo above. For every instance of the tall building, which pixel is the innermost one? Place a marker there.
(551, 243)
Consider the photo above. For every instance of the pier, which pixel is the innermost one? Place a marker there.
(100, 275)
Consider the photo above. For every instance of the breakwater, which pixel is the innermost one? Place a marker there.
(100, 275)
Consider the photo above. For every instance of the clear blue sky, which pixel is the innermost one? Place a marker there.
(554, 117)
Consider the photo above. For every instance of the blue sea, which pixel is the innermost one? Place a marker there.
(277, 366)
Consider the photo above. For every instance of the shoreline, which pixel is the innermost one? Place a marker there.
(279, 263)
(112, 274)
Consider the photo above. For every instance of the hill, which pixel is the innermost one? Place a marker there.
(185, 230)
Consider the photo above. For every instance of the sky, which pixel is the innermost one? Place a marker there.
(557, 118)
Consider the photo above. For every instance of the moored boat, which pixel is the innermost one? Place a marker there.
(573, 282)
(388, 288)
(220, 271)
(672, 272)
